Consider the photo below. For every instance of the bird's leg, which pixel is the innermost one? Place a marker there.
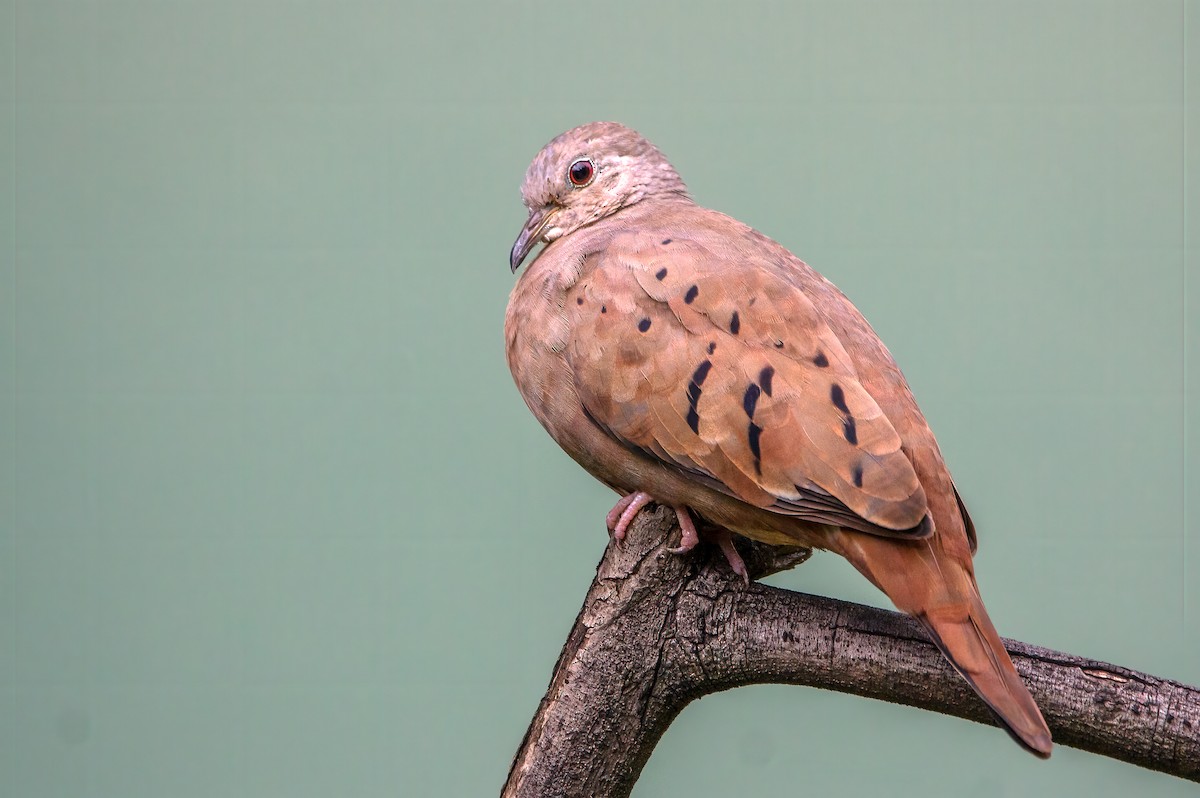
(721, 536)
(623, 512)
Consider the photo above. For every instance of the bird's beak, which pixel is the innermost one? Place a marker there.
(531, 234)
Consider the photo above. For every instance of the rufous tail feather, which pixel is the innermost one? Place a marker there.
(931, 584)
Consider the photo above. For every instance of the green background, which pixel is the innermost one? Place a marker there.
(274, 520)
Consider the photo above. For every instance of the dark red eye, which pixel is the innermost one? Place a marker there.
(581, 172)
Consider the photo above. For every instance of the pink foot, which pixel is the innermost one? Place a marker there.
(623, 512)
(687, 532)
(722, 537)
(614, 515)
(724, 540)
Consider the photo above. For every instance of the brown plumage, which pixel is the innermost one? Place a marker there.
(678, 354)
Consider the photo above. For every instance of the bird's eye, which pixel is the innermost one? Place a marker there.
(581, 173)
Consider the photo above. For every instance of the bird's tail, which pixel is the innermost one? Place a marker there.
(938, 588)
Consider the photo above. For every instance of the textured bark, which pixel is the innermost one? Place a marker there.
(658, 630)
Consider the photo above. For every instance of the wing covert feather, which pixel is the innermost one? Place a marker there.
(726, 370)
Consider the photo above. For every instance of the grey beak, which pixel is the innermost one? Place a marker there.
(531, 233)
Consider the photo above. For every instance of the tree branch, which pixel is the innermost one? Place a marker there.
(658, 630)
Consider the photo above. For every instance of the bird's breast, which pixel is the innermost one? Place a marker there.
(536, 331)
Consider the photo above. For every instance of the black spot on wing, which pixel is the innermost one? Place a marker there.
(693, 394)
(666, 241)
(838, 397)
(691, 294)
(604, 308)
(753, 431)
(712, 347)
(644, 325)
(820, 361)
(735, 323)
(578, 300)
(750, 400)
(849, 430)
(764, 379)
(661, 273)
(858, 475)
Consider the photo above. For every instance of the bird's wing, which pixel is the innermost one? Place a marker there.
(713, 361)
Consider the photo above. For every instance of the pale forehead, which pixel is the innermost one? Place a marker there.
(607, 137)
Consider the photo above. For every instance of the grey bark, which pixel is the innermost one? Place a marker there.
(658, 630)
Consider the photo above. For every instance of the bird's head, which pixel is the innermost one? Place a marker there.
(586, 174)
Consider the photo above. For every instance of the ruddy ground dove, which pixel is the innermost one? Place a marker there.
(684, 358)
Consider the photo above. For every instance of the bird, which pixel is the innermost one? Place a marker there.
(685, 359)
